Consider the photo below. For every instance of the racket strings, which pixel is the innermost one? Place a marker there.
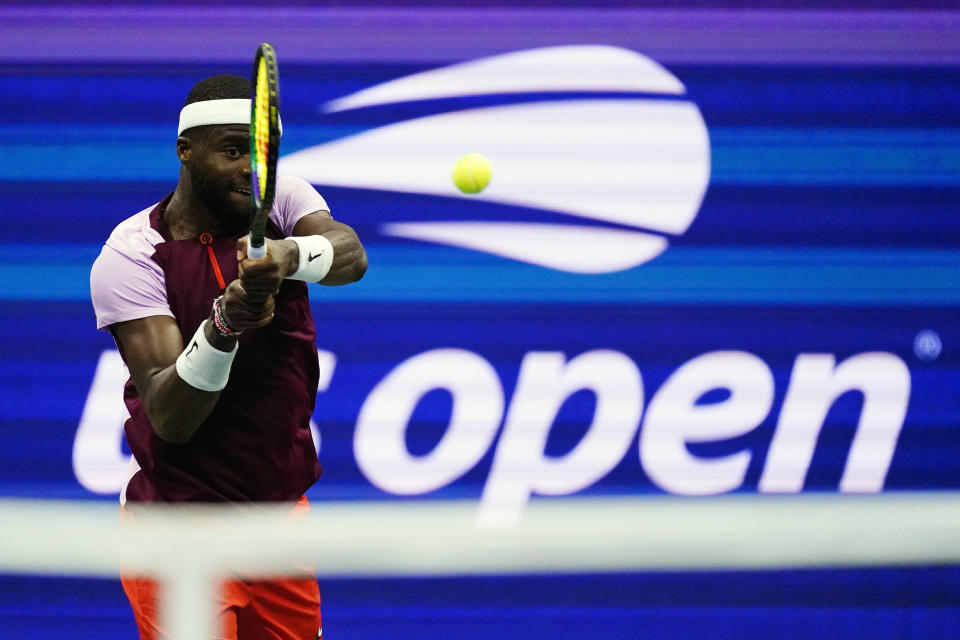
(264, 140)
(262, 128)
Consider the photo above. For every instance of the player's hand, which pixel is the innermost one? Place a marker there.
(262, 278)
(243, 311)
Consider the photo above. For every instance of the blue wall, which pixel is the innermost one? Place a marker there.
(829, 226)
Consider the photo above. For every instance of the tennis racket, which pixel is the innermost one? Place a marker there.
(264, 144)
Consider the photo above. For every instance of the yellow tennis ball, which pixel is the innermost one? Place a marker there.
(471, 173)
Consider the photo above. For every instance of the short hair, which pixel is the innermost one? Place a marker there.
(222, 87)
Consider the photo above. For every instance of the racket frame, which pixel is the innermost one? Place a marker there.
(263, 172)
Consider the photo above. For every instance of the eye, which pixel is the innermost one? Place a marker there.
(233, 153)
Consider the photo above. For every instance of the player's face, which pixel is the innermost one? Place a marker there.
(220, 174)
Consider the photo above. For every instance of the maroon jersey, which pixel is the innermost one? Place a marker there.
(256, 443)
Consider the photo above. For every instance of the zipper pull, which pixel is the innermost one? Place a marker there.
(207, 240)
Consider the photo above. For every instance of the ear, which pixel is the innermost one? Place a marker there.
(184, 148)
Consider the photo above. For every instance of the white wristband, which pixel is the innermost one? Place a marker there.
(316, 257)
(202, 366)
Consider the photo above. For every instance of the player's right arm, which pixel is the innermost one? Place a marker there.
(175, 397)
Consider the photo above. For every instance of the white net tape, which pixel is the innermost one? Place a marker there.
(189, 547)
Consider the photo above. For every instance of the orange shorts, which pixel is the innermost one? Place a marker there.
(276, 609)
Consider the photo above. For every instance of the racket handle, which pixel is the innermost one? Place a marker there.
(255, 253)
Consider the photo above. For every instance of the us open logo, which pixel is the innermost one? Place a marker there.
(622, 171)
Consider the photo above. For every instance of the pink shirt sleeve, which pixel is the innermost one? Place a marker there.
(295, 198)
(125, 282)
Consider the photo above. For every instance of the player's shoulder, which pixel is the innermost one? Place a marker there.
(134, 237)
(128, 251)
(126, 283)
(293, 184)
(295, 199)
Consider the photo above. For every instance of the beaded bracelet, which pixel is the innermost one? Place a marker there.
(220, 321)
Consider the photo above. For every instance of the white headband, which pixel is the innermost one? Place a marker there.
(228, 111)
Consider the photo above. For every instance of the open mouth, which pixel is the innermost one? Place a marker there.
(242, 191)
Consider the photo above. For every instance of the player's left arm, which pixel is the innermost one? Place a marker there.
(262, 278)
(349, 256)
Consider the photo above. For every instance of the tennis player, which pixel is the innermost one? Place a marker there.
(221, 349)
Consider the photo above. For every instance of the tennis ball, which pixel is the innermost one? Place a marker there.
(471, 173)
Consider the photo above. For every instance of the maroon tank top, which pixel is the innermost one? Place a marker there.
(256, 443)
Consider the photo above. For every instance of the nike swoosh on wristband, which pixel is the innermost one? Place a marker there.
(640, 161)
(312, 257)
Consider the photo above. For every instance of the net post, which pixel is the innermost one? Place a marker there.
(189, 599)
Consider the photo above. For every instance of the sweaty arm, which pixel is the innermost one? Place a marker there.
(284, 257)
(151, 347)
(349, 256)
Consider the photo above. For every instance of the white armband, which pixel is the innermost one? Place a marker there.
(203, 366)
(316, 257)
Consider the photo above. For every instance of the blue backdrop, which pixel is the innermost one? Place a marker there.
(828, 228)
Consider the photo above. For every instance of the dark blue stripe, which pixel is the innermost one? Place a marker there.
(822, 216)
(731, 216)
(784, 95)
(735, 95)
(426, 273)
(832, 604)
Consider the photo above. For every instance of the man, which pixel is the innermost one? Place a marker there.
(221, 349)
